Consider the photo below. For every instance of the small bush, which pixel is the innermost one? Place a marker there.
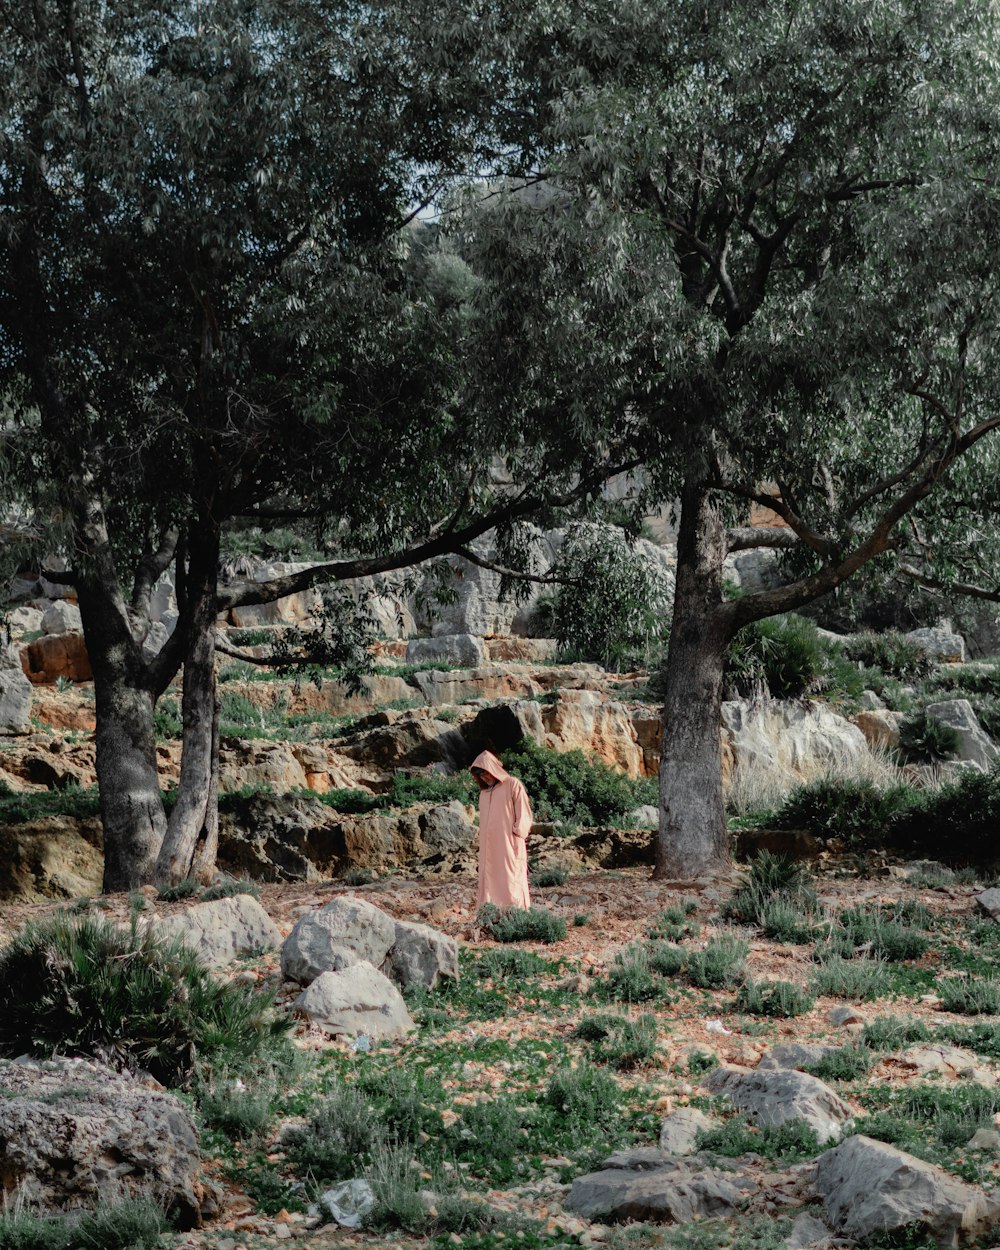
(515, 925)
(354, 877)
(580, 919)
(961, 816)
(924, 740)
(780, 999)
(542, 878)
(570, 786)
(627, 1044)
(790, 1142)
(847, 1063)
(893, 1033)
(853, 810)
(175, 893)
(776, 896)
(720, 964)
(886, 938)
(342, 1136)
(630, 978)
(699, 1062)
(674, 924)
(584, 1095)
(890, 652)
(132, 1224)
(83, 986)
(855, 979)
(667, 960)
(969, 996)
(787, 656)
(237, 1110)
(504, 965)
(230, 889)
(396, 1185)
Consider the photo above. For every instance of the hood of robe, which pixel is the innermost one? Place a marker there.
(489, 763)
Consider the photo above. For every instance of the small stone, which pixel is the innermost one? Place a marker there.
(845, 1014)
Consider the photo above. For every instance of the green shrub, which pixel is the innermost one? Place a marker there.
(614, 607)
(340, 1139)
(542, 878)
(584, 1095)
(969, 996)
(181, 890)
(853, 810)
(855, 979)
(699, 1062)
(630, 978)
(780, 999)
(674, 924)
(890, 652)
(776, 896)
(788, 656)
(73, 802)
(83, 986)
(132, 1224)
(881, 937)
(570, 786)
(957, 822)
(983, 1038)
(790, 1142)
(503, 965)
(924, 739)
(846, 1063)
(628, 1044)
(235, 1109)
(667, 960)
(533, 924)
(719, 965)
(230, 889)
(353, 877)
(893, 1033)
(580, 918)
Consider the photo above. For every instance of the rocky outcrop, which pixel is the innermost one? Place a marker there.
(680, 1130)
(974, 744)
(15, 694)
(880, 727)
(871, 1189)
(650, 1185)
(795, 1055)
(56, 655)
(773, 1098)
(458, 650)
(73, 1133)
(52, 858)
(358, 999)
(941, 642)
(223, 929)
(788, 743)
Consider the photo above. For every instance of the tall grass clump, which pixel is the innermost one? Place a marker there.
(777, 896)
(788, 657)
(131, 1224)
(532, 924)
(81, 986)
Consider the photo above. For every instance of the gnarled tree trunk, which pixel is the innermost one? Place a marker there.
(693, 838)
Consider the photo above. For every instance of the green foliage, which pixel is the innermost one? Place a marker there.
(183, 889)
(893, 1033)
(780, 999)
(969, 996)
(630, 978)
(790, 1142)
(891, 653)
(840, 808)
(983, 1038)
(958, 821)
(614, 606)
(29, 806)
(854, 979)
(719, 965)
(237, 1110)
(533, 924)
(846, 1063)
(131, 1224)
(545, 877)
(509, 965)
(340, 1138)
(620, 1042)
(924, 739)
(776, 896)
(666, 959)
(88, 987)
(787, 656)
(570, 786)
(674, 924)
(230, 889)
(355, 876)
(583, 1095)
(881, 935)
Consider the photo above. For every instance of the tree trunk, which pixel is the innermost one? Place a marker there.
(194, 821)
(693, 838)
(131, 803)
(207, 849)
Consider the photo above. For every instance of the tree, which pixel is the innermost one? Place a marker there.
(211, 309)
(802, 192)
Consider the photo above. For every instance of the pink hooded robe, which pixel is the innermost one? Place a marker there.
(504, 823)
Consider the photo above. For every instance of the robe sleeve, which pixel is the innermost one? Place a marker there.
(523, 818)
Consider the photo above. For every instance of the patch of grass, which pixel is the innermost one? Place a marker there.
(502, 965)
(790, 1142)
(698, 1062)
(883, 936)
(630, 978)
(237, 1110)
(857, 980)
(720, 964)
(533, 924)
(580, 918)
(84, 986)
(780, 999)
(886, 1033)
(342, 1136)
(891, 652)
(176, 893)
(970, 996)
(132, 1224)
(674, 924)
(230, 889)
(620, 1042)
(847, 1063)
(667, 960)
(542, 878)
(983, 1038)
(583, 1095)
(778, 897)
(22, 808)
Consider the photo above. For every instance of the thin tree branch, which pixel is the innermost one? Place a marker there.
(748, 538)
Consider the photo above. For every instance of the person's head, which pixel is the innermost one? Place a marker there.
(485, 779)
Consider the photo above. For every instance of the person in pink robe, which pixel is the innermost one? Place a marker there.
(504, 824)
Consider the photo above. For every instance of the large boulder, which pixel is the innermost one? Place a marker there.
(358, 999)
(56, 655)
(872, 1189)
(422, 956)
(73, 1134)
(446, 828)
(339, 935)
(221, 930)
(974, 744)
(281, 838)
(783, 744)
(794, 1055)
(650, 1185)
(941, 642)
(61, 617)
(773, 1098)
(15, 694)
(880, 727)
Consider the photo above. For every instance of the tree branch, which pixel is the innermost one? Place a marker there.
(748, 538)
(958, 588)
